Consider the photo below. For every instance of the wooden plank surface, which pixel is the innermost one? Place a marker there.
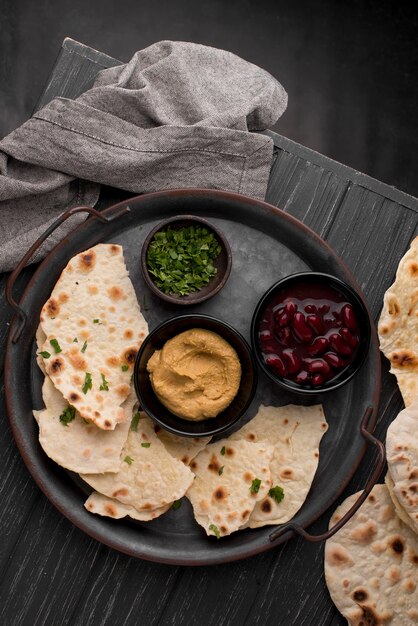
(51, 573)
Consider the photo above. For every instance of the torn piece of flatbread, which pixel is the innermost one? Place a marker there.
(78, 445)
(371, 564)
(149, 477)
(93, 327)
(108, 507)
(402, 458)
(183, 448)
(295, 432)
(231, 477)
(398, 324)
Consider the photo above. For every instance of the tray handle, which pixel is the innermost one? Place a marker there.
(365, 431)
(35, 246)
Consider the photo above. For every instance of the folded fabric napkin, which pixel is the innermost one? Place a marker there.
(177, 115)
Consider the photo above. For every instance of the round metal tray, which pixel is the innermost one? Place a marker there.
(266, 244)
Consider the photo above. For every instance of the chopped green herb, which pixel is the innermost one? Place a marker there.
(45, 354)
(54, 343)
(124, 368)
(105, 385)
(84, 348)
(255, 485)
(87, 383)
(146, 444)
(67, 415)
(176, 505)
(128, 460)
(221, 470)
(277, 493)
(215, 531)
(96, 321)
(181, 260)
(223, 450)
(75, 340)
(134, 422)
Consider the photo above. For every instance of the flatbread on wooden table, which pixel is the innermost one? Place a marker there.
(371, 564)
(402, 458)
(398, 324)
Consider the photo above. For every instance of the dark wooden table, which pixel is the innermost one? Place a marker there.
(51, 573)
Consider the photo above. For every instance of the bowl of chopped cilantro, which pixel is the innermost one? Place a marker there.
(186, 260)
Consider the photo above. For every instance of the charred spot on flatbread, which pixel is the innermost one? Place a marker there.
(129, 355)
(87, 260)
(115, 293)
(56, 365)
(52, 307)
(403, 358)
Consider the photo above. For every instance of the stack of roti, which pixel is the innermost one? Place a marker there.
(398, 335)
(398, 325)
(279, 449)
(371, 564)
(91, 329)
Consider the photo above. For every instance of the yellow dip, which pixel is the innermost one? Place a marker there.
(196, 374)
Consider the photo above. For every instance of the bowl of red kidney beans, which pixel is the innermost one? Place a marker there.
(310, 332)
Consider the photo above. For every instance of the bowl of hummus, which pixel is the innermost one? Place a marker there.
(195, 375)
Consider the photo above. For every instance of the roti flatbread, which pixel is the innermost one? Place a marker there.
(402, 458)
(400, 512)
(295, 432)
(224, 492)
(371, 564)
(108, 507)
(149, 477)
(183, 448)
(398, 325)
(93, 327)
(76, 445)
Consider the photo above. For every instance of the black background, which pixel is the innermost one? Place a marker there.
(350, 67)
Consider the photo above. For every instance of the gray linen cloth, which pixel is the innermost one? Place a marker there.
(177, 115)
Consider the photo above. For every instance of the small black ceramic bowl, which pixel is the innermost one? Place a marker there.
(222, 263)
(158, 412)
(310, 333)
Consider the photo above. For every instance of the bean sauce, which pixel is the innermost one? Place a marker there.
(308, 334)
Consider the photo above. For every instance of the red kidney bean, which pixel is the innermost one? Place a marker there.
(301, 329)
(316, 323)
(318, 346)
(317, 379)
(285, 336)
(339, 345)
(334, 360)
(266, 340)
(323, 308)
(274, 362)
(285, 314)
(302, 377)
(348, 317)
(318, 366)
(350, 339)
(311, 308)
(292, 360)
